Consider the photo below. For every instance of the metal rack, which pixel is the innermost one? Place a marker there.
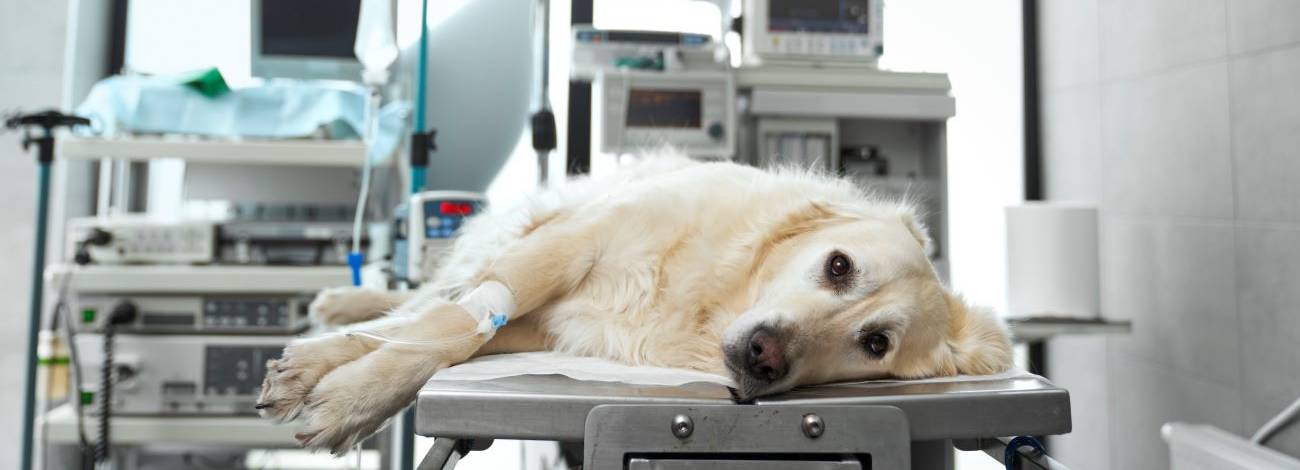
(900, 425)
(115, 155)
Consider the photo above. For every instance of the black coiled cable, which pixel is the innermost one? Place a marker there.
(105, 394)
(123, 312)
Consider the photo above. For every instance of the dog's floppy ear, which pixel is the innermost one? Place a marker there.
(908, 216)
(978, 339)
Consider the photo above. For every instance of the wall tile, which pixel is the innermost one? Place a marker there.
(1266, 134)
(1146, 396)
(1152, 35)
(1070, 50)
(1165, 144)
(31, 46)
(1258, 24)
(24, 24)
(1072, 144)
(1268, 283)
(1079, 365)
(1175, 281)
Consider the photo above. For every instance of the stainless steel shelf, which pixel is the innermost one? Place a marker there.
(61, 427)
(345, 153)
(205, 279)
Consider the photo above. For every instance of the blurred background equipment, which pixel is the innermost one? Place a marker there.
(435, 219)
(822, 32)
(693, 112)
(654, 89)
(305, 39)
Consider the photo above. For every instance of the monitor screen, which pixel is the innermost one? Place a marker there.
(309, 28)
(664, 108)
(818, 16)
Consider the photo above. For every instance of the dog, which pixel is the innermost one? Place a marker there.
(775, 278)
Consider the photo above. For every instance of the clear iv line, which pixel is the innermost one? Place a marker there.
(498, 320)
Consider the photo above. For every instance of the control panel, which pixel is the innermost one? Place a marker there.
(176, 314)
(692, 111)
(180, 375)
(141, 240)
(595, 50)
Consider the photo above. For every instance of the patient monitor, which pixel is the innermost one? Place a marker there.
(305, 39)
(651, 89)
(841, 32)
(692, 111)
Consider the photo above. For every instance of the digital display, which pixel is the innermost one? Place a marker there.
(665, 108)
(456, 208)
(442, 218)
(818, 16)
(313, 28)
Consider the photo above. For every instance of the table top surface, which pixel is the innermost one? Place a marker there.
(553, 407)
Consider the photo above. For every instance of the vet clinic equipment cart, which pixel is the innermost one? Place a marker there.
(895, 426)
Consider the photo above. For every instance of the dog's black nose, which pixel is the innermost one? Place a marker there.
(766, 356)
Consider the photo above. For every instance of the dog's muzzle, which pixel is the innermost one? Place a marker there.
(759, 361)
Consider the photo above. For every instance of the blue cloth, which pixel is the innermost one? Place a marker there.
(274, 109)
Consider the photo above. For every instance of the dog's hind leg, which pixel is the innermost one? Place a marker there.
(347, 305)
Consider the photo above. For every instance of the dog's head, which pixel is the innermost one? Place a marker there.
(846, 293)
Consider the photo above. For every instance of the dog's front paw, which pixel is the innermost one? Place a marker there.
(348, 305)
(347, 406)
(290, 378)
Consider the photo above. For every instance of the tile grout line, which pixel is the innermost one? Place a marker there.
(1111, 455)
(1227, 58)
(1236, 214)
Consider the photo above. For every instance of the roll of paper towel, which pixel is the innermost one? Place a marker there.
(1052, 260)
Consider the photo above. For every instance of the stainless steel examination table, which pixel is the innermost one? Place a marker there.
(896, 425)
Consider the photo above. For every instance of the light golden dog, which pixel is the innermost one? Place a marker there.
(778, 279)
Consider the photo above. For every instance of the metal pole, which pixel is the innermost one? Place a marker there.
(421, 140)
(37, 296)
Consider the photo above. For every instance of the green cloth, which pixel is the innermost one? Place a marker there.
(208, 82)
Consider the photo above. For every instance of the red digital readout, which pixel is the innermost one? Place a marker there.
(455, 208)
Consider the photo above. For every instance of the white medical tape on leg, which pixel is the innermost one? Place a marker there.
(491, 303)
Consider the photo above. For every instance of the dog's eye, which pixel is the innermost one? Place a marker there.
(838, 266)
(877, 344)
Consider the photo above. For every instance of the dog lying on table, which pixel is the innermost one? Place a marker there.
(775, 278)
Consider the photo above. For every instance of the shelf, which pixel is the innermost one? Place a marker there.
(61, 427)
(1038, 328)
(205, 279)
(852, 104)
(335, 153)
(845, 78)
(846, 92)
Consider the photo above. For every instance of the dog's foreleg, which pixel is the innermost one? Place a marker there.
(354, 400)
(305, 361)
(550, 262)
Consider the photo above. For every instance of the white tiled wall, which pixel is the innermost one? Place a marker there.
(1185, 129)
(31, 68)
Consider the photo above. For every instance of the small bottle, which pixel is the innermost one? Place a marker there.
(52, 356)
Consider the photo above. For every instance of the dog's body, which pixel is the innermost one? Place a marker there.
(779, 278)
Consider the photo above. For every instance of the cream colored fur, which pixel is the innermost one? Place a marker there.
(667, 263)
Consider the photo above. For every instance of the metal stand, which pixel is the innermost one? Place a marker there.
(47, 121)
(447, 452)
(997, 448)
(542, 122)
(706, 436)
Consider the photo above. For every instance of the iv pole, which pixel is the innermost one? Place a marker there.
(47, 121)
